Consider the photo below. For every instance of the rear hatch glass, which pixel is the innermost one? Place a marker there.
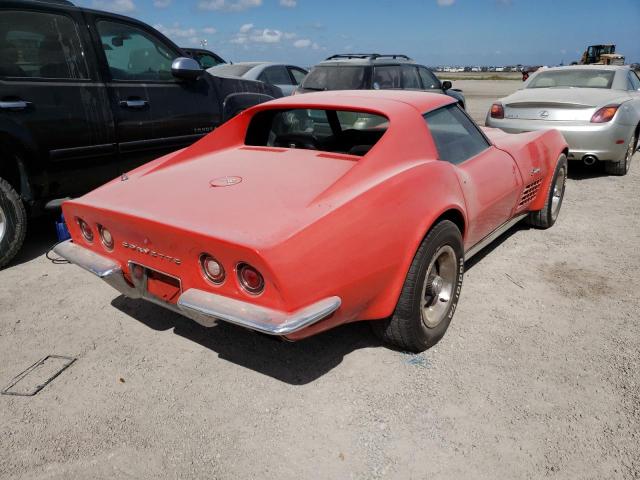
(335, 78)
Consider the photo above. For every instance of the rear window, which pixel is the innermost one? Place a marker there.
(335, 78)
(573, 78)
(338, 131)
(230, 70)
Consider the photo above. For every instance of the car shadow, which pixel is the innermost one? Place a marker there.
(580, 171)
(41, 236)
(469, 264)
(295, 363)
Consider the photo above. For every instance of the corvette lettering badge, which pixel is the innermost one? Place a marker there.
(152, 253)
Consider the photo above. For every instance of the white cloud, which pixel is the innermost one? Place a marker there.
(228, 5)
(120, 6)
(246, 27)
(209, 30)
(288, 3)
(445, 3)
(161, 3)
(302, 43)
(266, 36)
(290, 35)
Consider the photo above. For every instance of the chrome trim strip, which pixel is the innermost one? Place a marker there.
(493, 235)
(203, 307)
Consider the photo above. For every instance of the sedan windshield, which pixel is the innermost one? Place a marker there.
(573, 78)
(335, 78)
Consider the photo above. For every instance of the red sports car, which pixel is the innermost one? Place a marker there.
(312, 211)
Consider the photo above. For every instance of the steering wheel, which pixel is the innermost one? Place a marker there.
(296, 140)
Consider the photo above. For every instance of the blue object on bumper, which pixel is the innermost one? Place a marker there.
(61, 230)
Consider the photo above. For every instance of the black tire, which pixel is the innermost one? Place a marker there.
(407, 329)
(546, 217)
(621, 167)
(13, 222)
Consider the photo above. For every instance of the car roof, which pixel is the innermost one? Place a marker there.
(373, 100)
(367, 59)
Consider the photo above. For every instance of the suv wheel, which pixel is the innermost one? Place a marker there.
(13, 222)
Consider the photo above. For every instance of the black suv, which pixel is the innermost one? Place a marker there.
(86, 95)
(372, 71)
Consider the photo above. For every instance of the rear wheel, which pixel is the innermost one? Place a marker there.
(13, 222)
(546, 217)
(430, 292)
(621, 167)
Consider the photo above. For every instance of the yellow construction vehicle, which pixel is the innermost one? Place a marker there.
(601, 55)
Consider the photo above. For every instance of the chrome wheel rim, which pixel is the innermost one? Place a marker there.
(558, 192)
(627, 157)
(3, 224)
(437, 289)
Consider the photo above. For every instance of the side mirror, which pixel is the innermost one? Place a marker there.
(186, 68)
(446, 85)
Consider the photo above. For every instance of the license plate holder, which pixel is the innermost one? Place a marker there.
(155, 285)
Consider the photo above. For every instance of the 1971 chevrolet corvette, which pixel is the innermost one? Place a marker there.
(316, 210)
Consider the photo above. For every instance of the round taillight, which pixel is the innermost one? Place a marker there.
(105, 237)
(212, 269)
(87, 233)
(250, 279)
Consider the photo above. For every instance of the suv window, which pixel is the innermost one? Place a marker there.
(410, 79)
(456, 137)
(133, 54)
(40, 45)
(206, 61)
(276, 75)
(429, 80)
(386, 77)
(335, 78)
(634, 82)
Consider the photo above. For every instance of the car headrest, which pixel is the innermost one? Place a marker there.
(598, 82)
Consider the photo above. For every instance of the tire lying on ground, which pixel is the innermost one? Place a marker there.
(430, 292)
(546, 217)
(621, 167)
(13, 222)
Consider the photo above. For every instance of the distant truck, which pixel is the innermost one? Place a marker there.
(601, 55)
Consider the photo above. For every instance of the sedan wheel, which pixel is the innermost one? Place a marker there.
(622, 167)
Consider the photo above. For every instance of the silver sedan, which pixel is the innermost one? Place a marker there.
(286, 77)
(596, 107)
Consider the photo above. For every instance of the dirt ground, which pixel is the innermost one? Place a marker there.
(537, 377)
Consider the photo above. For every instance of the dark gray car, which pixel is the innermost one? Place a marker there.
(373, 71)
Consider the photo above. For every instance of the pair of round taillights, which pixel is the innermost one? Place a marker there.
(250, 279)
(87, 232)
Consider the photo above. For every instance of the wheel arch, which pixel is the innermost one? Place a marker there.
(15, 152)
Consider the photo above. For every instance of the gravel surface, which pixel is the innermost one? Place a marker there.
(538, 375)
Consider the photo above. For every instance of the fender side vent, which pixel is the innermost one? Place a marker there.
(530, 192)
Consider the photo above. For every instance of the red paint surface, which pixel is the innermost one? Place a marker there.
(315, 224)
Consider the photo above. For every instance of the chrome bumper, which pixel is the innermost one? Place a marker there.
(202, 307)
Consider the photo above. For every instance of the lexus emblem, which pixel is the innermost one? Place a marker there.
(225, 181)
(544, 114)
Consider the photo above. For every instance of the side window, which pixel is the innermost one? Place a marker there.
(456, 137)
(385, 78)
(634, 82)
(276, 75)
(40, 45)
(298, 75)
(410, 79)
(429, 80)
(133, 54)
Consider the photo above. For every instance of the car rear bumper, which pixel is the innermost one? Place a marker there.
(203, 307)
(597, 139)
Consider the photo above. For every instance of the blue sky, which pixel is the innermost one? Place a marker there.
(434, 32)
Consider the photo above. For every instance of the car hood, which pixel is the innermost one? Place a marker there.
(254, 196)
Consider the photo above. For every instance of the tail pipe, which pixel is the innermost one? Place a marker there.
(589, 160)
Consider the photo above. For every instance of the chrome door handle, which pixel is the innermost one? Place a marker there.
(14, 104)
(133, 103)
